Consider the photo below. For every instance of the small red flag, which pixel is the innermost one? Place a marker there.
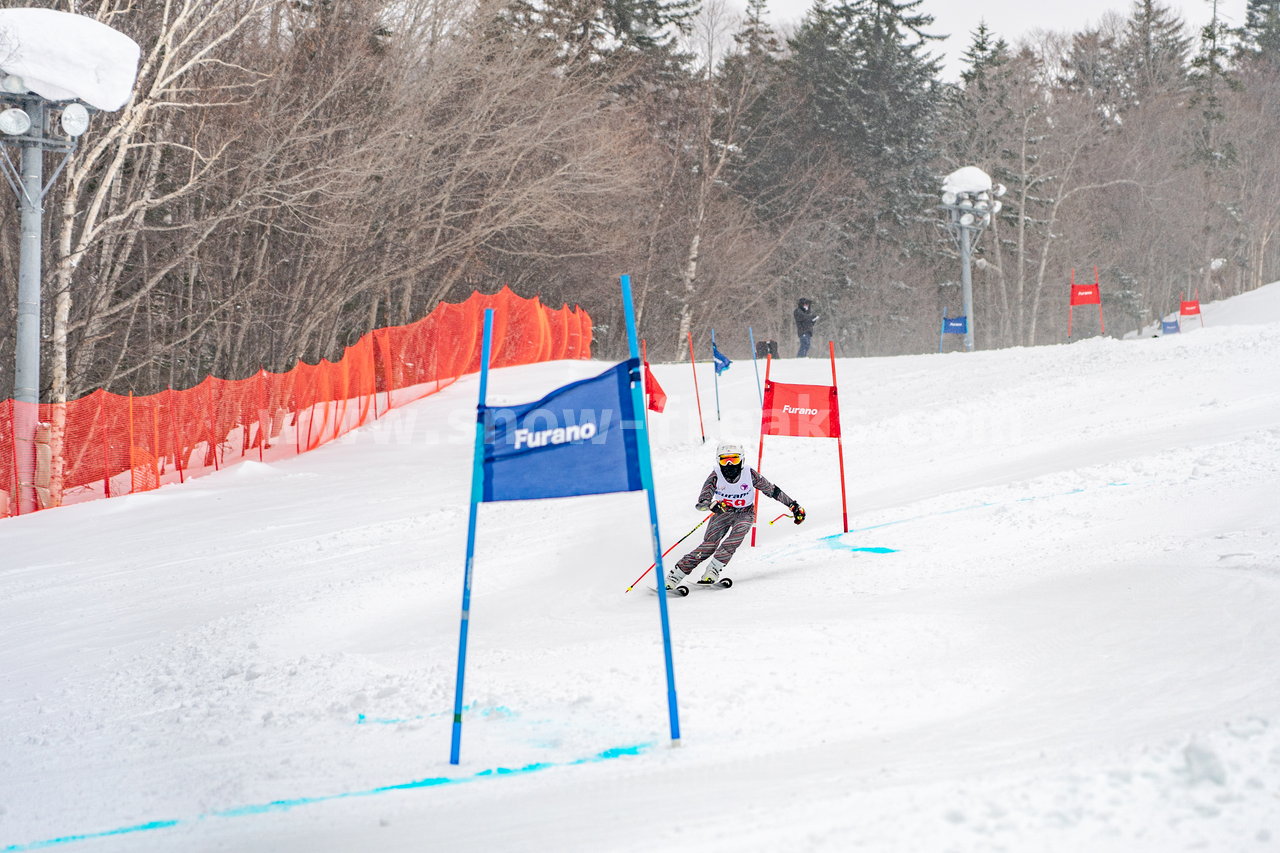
(1190, 307)
(656, 396)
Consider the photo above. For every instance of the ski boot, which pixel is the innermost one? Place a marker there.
(712, 574)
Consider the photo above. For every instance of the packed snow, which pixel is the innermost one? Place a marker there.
(1052, 627)
(61, 56)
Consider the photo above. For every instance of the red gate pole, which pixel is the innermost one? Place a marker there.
(835, 392)
(644, 381)
(1070, 302)
(694, 365)
(1102, 327)
(755, 507)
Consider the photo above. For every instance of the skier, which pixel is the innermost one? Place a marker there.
(805, 318)
(729, 493)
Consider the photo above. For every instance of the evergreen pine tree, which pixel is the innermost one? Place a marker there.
(1214, 154)
(603, 33)
(1157, 47)
(1260, 35)
(873, 94)
(754, 72)
(1211, 77)
(756, 40)
(1096, 68)
(985, 53)
(978, 109)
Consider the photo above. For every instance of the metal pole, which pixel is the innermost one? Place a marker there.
(646, 478)
(759, 390)
(26, 379)
(477, 497)
(715, 373)
(966, 283)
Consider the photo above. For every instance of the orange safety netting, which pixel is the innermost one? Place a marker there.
(116, 444)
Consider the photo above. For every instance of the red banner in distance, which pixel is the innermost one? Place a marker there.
(1086, 294)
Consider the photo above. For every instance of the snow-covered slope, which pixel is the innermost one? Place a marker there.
(1051, 627)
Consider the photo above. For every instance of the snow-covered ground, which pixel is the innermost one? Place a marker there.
(1062, 636)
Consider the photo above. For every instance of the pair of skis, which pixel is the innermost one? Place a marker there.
(681, 589)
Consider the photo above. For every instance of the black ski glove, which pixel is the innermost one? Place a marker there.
(719, 506)
(797, 512)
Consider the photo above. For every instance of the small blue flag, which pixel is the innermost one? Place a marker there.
(1169, 327)
(578, 440)
(955, 325)
(722, 361)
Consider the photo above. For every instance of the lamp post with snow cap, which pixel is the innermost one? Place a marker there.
(970, 201)
(54, 64)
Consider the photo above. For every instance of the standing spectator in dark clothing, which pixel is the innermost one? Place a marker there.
(805, 318)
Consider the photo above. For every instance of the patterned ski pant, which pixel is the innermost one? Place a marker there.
(735, 524)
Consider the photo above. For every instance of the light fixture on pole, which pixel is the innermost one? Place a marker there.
(970, 201)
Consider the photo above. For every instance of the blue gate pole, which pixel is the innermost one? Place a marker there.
(942, 332)
(715, 372)
(752, 335)
(477, 494)
(646, 479)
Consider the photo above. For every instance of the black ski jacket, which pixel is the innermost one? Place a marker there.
(804, 320)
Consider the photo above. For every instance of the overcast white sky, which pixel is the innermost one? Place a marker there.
(1014, 18)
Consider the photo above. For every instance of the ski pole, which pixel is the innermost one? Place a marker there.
(668, 551)
(779, 518)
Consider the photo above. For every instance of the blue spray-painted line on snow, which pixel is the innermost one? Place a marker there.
(498, 710)
(67, 839)
(285, 805)
(834, 543)
(362, 719)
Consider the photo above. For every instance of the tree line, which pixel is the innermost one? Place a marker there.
(293, 173)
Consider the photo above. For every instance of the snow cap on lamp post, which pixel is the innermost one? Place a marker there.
(969, 179)
(61, 56)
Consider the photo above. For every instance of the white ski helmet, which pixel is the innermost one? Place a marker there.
(724, 448)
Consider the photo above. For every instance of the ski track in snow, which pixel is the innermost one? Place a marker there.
(1051, 627)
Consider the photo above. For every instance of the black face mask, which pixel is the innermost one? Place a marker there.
(732, 472)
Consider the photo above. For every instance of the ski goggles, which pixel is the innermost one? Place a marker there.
(730, 458)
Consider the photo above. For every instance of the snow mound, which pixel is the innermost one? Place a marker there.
(1248, 309)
